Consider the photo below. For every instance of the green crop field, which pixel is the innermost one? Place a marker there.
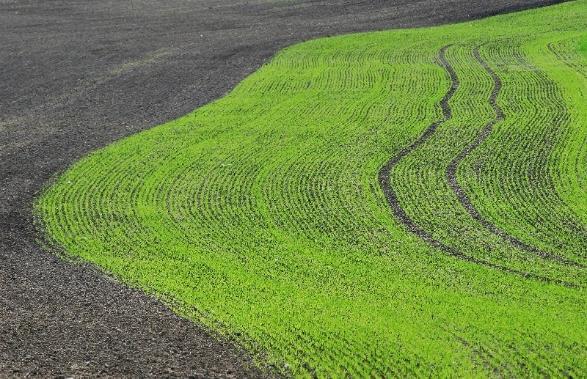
(405, 202)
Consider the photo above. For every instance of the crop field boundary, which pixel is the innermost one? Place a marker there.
(398, 203)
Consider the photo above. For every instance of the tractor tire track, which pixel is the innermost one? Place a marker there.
(451, 174)
(401, 215)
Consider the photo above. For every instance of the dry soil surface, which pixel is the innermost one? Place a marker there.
(76, 75)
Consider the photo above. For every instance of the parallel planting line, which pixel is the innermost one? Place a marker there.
(260, 217)
(399, 212)
(451, 173)
(569, 63)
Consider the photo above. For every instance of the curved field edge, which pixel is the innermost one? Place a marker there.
(261, 214)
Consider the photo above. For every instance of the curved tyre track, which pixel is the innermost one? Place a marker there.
(399, 212)
(451, 173)
(78, 75)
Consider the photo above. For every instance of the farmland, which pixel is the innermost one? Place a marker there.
(404, 202)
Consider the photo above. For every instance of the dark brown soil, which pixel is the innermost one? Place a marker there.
(76, 75)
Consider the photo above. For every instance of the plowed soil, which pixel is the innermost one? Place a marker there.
(77, 75)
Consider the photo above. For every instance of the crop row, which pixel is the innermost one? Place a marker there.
(262, 214)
